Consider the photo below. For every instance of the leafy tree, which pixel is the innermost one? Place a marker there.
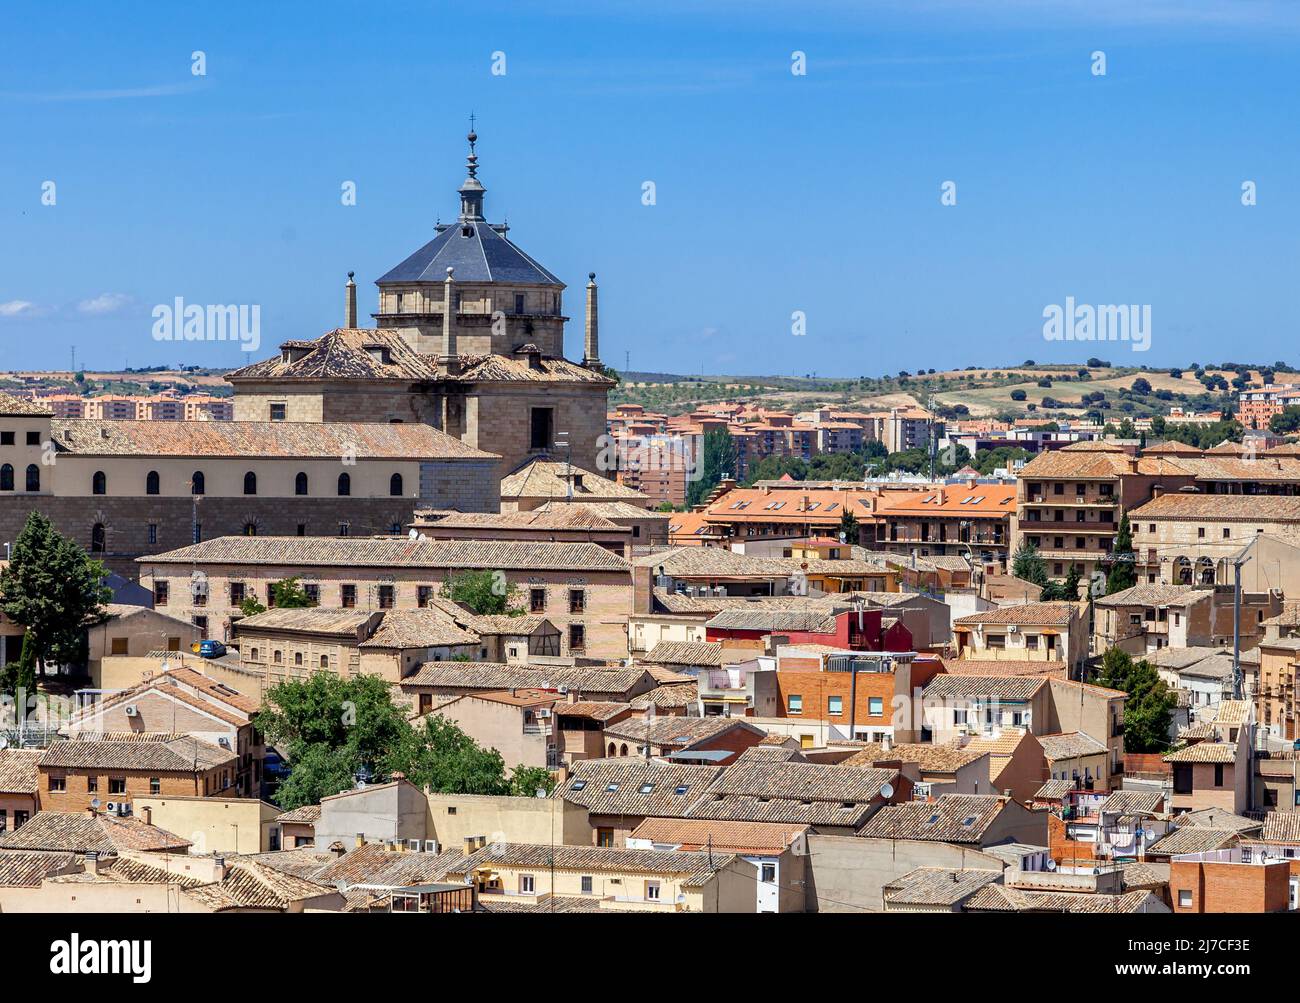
(439, 754)
(1123, 571)
(1028, 565)
(1018, 395)
(19, 676)
(251, 607)
(526, 781)
(54, 589)
(288, 594)
(484, 592)
(1070, 589)
(332, 727)
(1141, 386)
(719, 458)
(1147, 709)
(1287, 421)
(849, 527)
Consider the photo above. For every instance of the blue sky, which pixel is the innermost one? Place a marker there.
(776, 193)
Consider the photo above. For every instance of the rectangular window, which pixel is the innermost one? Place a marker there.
(1218, 774)
(1182, 778)
(386, 596)
(313, 593)
(153, 533)
(540, 428)
(58, 784)
(768, 875)
(577, 600)
(155, 785)
(348, 596)
(117, 785)
(834, 705)
(6, 438)
(236, 593)
(120, 645)
(519, 302)
(875, 706)
(577, 637)
(794, 704)
(587, 884)
(424, 596)
(277, 412)
(33, 438)
(1184, 898)
(604, 837)
(536, 600)
(652, 891)
(995, 641)
(92, 784)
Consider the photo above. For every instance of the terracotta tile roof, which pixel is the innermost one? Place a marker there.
(309, 620)
(217, 690)
(250, 884)
(389, 552)
(999, 898)
(1194, 839)
(937, 886)
(1069, 745)
(704, 653)
(418, 628)
(1005, 744)
(1097, 464)
(80, 832)
(259, 439)
(1281, 827)
(1134, 802)
(635, 787)
(724, 836)
(1156, 595)
(763, 753)
(740, 618)
(1029, 614)
(610, 510)
(803, 782)
(1223, 508)
(981, 687)
(164, 684)
(159, 752)
(596, 710)
(677, 732)
(307, 814)
(1053, 790)
(546, 904)
(1218, 818)
(930, 758)
(1004, 667)
(18, 770)
(981, 501)
(21, 407)
(953, 818)
(696, 868)
(1233, 712)
(1204, 752)
(592, 682)
(670, 696)
(503, 369)
(28, 868)
(342, 354)
(545, 478)
(548, 517)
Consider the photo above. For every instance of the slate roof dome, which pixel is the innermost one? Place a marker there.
(479, 251)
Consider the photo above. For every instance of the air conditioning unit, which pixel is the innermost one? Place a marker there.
(111, 807)
(132, 710)
(544, 713)
(563, 691)
(223, 742)
(1012, 629)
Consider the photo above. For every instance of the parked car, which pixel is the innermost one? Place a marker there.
(211, 649)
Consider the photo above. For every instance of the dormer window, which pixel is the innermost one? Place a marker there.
(467, 231)
(379, 353)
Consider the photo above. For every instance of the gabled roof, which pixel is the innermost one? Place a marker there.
(1030, 614)
(21, 407)
(1281, 827)
(937, 886)
(696, 868)
(546, 478)
(1194, 839)
(1069, 745)
(707, 653)
(144, 751)
(81, 832)
(18, 770)
(1156, 595)
(726, 837)
(953, 818)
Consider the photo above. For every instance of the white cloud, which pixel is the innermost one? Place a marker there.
(15, 308)
(105, 303)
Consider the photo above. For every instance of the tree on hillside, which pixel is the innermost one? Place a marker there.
(54, 589)
(719, 458)
(1288, 420)
(1123, 571)
(484, 592)
(1027, 565)
(1150, 701)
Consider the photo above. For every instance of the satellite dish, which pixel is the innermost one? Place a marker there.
(1051, 865)
(94, 804)
(1148, 834)
(886, 790)
(413, 534)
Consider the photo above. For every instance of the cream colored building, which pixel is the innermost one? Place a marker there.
(1048, 632)
(215, 824)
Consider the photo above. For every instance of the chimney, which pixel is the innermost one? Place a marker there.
(148, 815)
(218, 868)
(591, 354)
(92, 864)
(450, 359)
(350, 310)
(470, 846)
(361, 839)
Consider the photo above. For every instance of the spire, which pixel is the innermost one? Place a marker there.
(471, 191)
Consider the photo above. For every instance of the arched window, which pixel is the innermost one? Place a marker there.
(613, 750)
(197, 483)
(99, 483)
(1206, 567)
(1183, 571)
(33, 477)
(151, 483)
(250, 483)
(345, 485)
(250, 529)
(97, 538)
(395, 485)
(6, 477)
(622, 749)
(300, 484)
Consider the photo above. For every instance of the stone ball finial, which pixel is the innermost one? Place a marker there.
(591, 276)
(473, 136)
(450, 269)
(350, 275)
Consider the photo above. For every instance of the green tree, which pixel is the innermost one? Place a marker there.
(718, 458)
(1026, 564)
(849, 527)
(483, 592)
(1150, 701)
(331, 727)
(526, 781)
(54, 589)
(441, 755)
(1286, 421)
(289, 594)
(1123, 571)
(1070, 589)
(19, 676)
